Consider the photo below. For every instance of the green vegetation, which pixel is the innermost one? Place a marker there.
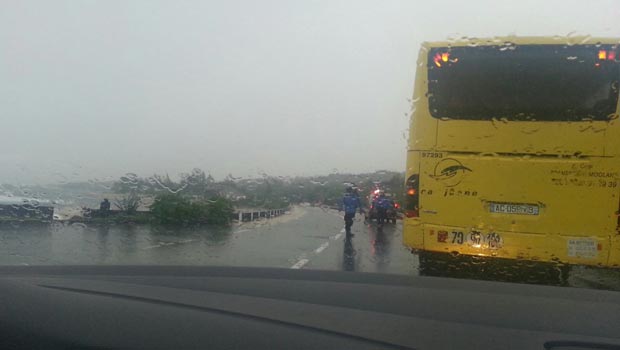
(268, 192)
(173, 208)
(119, 218)
(196, 197)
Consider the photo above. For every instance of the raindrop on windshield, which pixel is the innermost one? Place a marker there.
(586, 39)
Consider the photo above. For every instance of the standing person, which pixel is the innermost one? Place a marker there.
(104, 207)
(350, 203)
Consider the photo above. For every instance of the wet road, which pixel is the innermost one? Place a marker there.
(306, 238)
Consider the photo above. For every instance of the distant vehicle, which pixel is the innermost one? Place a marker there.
(392, 213)
(515, 151)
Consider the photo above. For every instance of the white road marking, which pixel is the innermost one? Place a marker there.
(300, 264)
(343, 230)
(244, 230)
(162, 244)
(321, 248)
(337, 237)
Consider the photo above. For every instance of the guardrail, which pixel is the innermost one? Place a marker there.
(244, 216)
(240, 216)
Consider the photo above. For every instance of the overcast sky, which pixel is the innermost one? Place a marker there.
(96, 89)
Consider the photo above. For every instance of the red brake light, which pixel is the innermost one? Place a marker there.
(412, 199)
(606, 55)
(437, 59)
(442, 57)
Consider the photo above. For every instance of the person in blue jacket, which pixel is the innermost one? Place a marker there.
(350, 204)
(382, 204)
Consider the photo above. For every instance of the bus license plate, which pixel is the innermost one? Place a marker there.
(513, 208)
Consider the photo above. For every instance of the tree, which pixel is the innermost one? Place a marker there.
(129, 203)
(198, 183)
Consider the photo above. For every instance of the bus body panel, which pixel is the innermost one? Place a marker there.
(593, 250)
(571, 196)
(544, 191)
(424, 135)
(614, 254)
(521, 137)
(612, 138)
(454, 213)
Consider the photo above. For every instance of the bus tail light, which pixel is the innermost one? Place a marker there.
(610, 55)
(412, 197)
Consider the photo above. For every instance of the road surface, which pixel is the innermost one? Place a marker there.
(306, 238)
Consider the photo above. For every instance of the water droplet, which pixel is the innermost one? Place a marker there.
(586, 39)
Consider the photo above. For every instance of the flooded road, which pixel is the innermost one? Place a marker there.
(306, 238)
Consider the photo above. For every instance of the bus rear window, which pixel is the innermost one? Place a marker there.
(528, 82)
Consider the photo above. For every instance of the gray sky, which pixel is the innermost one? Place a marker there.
(95, 89)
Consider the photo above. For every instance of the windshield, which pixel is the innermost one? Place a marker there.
(315, 135)
(524, 82)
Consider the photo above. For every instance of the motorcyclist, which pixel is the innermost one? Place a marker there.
(350, 203)
(382, 204)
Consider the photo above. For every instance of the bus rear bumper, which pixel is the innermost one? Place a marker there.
(581, 250)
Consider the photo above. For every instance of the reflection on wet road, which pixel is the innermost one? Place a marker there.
(307, 238)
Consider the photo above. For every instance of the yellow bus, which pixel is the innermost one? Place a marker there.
(514, 150)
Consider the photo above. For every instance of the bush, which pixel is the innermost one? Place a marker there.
(176, 209)
(129, 203)
(219, 211)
